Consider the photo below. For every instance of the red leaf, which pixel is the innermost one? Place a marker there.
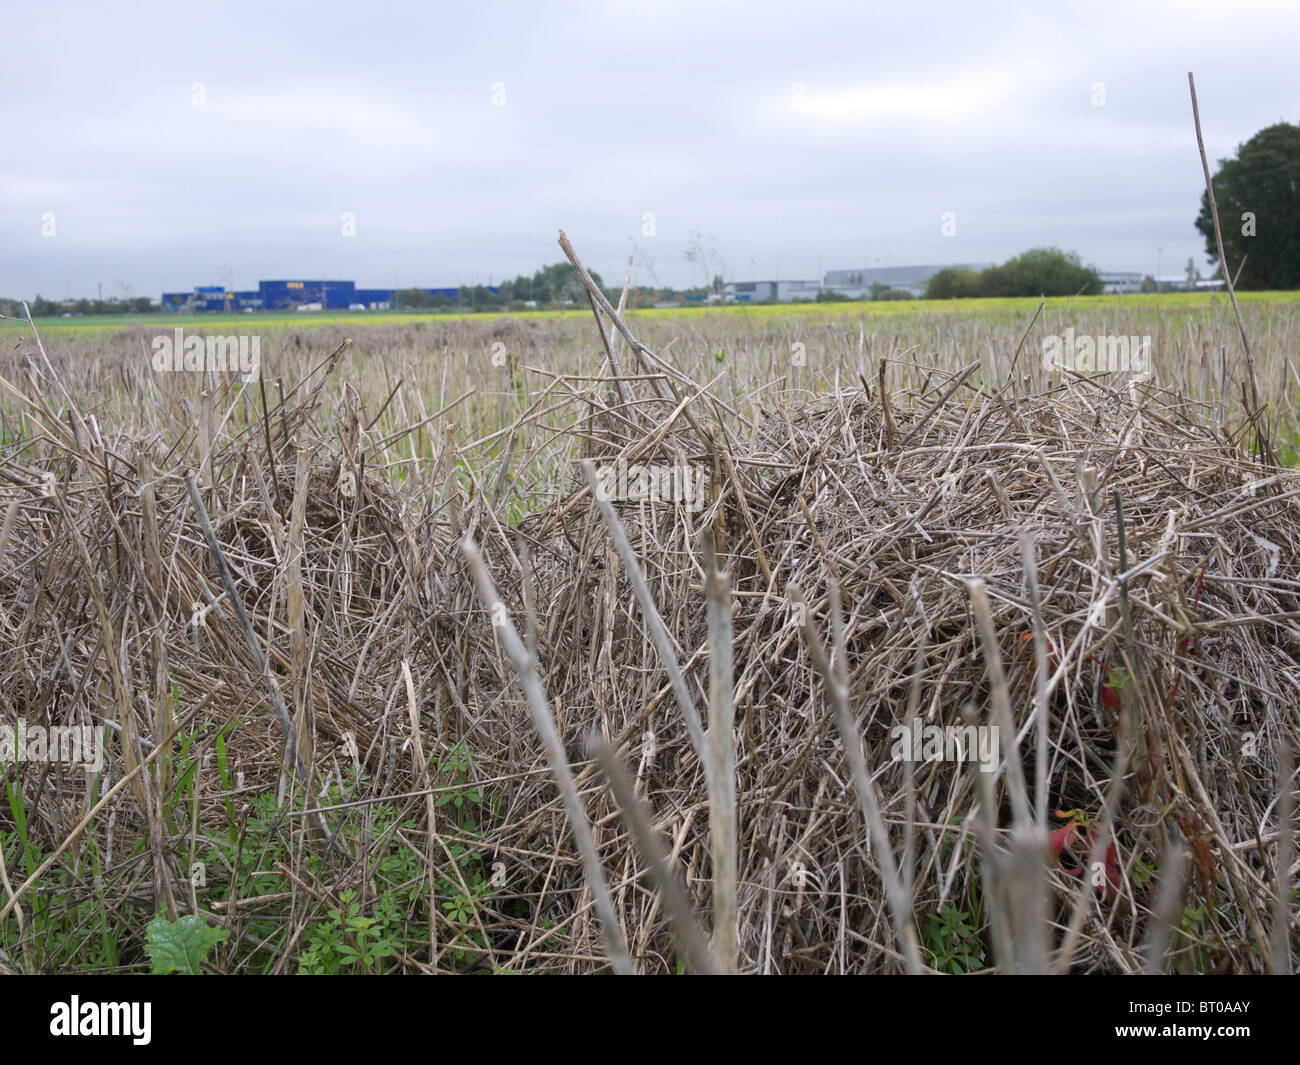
(1062, 838)
(1067, 835)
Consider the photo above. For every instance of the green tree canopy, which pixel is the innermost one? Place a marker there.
(551, 284)
(1258, 193)
(953, 282)
(1041, 272)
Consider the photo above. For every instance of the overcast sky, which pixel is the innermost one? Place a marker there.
(183, 144)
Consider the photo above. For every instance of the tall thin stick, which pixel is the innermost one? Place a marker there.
(1001, 700)
(722, 760)
(655, 625)
(1040, 680)
(690, 940)
(1164, 915)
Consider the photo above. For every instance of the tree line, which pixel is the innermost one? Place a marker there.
(1037, 272)
(43, 308)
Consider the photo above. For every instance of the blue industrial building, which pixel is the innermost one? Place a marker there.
(290, 295)
(286, 295)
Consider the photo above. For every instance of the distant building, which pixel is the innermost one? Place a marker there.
(1180, 283)
(212, 298)
(1113, 281)
(781, 291)
(286, 295)
(293, 295)
(375, 299)
(856, 283)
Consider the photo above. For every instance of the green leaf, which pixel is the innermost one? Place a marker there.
(180, 946)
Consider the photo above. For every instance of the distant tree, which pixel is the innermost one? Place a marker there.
(482, 298)
(877, 287)
(412, 299)
(552, 285)
(416, 299)
(1258, 197)
(1041, 272)
(1149, 284)
(894, 294)
(637, 296)
(953, 282)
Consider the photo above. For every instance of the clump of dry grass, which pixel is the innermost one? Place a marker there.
(961, 505)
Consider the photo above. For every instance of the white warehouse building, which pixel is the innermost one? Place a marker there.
(1119, 281)
(781, 291)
